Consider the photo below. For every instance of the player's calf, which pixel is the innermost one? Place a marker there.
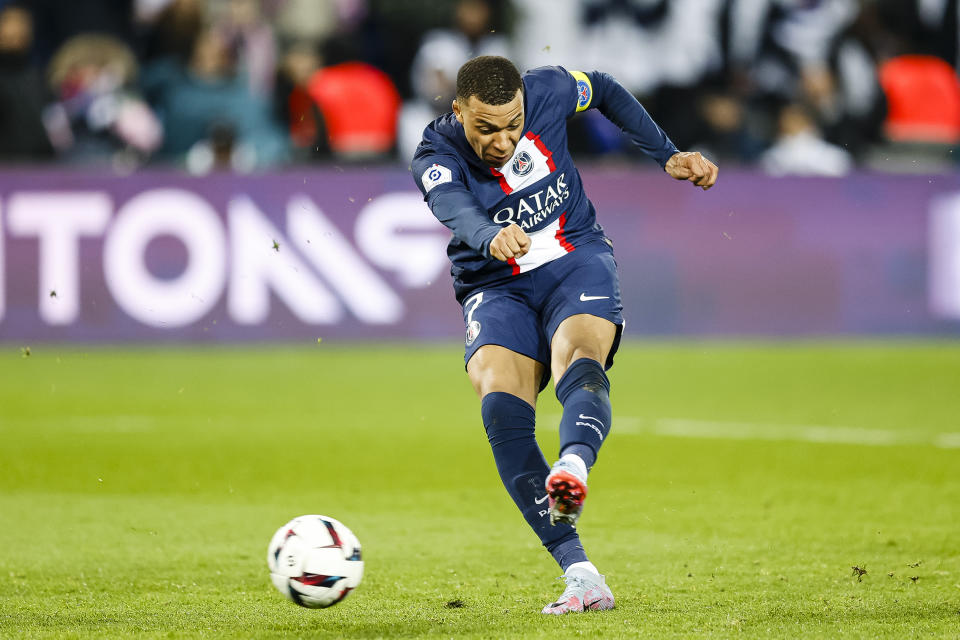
(584, 392)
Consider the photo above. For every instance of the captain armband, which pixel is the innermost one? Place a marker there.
(584, 90)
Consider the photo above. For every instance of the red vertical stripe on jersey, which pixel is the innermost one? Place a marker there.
(543, 149)
(516, 268)
(563, 241)
(507, 189)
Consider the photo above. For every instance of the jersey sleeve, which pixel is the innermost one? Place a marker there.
(440, 179)
(560, 89)
(577, 91)
(622, 109)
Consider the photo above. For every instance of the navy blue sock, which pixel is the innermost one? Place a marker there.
(509, 422)
(584, 392)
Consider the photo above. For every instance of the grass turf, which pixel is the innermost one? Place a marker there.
(139, 489)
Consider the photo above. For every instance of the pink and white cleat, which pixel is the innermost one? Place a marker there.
(586, 591)
(566, 488)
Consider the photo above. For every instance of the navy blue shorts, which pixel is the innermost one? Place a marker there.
(523, 313)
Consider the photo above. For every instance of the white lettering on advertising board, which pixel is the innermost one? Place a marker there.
(58, 220)
(154, 301)
(314, 270)
(944, 266)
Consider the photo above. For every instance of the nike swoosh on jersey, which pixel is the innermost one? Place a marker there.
(585, 298)
(540, 500)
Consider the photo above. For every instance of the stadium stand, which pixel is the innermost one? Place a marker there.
(269, 94)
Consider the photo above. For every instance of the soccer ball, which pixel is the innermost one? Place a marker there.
(315, 561)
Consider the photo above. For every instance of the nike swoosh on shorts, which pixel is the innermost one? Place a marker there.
(585, 298)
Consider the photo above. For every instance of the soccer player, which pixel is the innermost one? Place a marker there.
(536, 278)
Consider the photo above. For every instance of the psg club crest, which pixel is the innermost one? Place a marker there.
(473, 330)
(522, 164)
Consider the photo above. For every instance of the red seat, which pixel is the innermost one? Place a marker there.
(923, 100)
(359, 104)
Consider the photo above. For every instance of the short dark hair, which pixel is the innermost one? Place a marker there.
(493, 79)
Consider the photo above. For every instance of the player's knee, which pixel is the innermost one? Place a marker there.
(485, 377)
(495, 369)
(489, 381)
(564, 358)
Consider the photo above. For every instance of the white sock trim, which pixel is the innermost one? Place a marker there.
(583, 565)
(576, 461)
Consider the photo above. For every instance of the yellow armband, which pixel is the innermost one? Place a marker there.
(584, 90)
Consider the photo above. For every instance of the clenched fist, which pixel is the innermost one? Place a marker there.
(692, 166)
(511, 242)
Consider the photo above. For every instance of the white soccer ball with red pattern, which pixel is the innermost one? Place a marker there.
(315, 561)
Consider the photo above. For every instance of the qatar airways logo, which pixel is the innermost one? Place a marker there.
(536, 207)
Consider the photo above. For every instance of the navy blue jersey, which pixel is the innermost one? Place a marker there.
(538, 189)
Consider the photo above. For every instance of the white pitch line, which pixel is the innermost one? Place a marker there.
(796, 433)
(712, 429)
(99, 424)
(948, 441)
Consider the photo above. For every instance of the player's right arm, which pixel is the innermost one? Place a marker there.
(440, 180)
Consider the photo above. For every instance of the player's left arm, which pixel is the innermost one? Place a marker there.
(602, 91)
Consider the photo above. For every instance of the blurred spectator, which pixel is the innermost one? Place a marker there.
(433, 75)
(358, 105)
(774, 41)
(208, 103)
(335, 105)
(60, 20)
(845, 92)
(548, 32)
(295, 107)
(799, 149)
(147, 11)
(172, 27)
(929, 27)
(97, 116)
(309, 21)
(817, 52)
(22, 94)
(924, 96)
(661, 50)
(251, 38)
(731, 77)
(474, 30)
(722, 128)
(392, 32)
(647, 44)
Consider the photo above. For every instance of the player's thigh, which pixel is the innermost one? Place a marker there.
(583, 317)
(494, 368)
(502, 318)
(581, 336)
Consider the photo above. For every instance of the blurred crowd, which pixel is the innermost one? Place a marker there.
(811, 87)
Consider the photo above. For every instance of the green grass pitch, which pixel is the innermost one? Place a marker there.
(741, 484)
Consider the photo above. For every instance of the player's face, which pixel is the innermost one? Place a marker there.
(492, 131)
